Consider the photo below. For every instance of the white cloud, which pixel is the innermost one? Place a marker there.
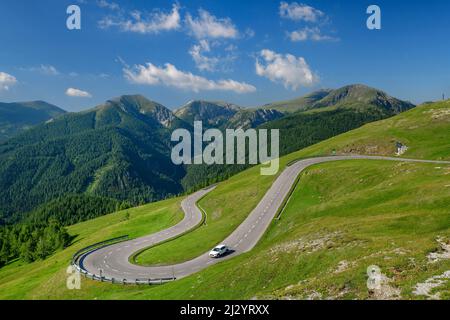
(293, 72)
(170, 76)
(231, 48)
(249, 33)
(207, 26)
(300, 12)
(307, 33)
(6, 81)
(72, 92)
(48, 70)
(155, 22)
(108, 5)
(203, 62)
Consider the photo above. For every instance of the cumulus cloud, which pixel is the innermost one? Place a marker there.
(303, 13)
(6, 81)
(307, 33)
(300, 12)
(138, 22)
(170, 76)
(207, 26)
(293, 72)
(72, 92)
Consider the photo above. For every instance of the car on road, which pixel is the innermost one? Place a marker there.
(218, 251)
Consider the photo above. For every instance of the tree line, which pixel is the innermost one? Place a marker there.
(31, 242)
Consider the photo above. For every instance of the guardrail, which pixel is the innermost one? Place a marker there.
(96, 246)
(76, 257)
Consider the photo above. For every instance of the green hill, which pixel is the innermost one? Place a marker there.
(342, 218)
(356, 97)
(360, 96)
(18, 116)
(120, 150)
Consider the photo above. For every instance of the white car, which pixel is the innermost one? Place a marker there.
(218, 251)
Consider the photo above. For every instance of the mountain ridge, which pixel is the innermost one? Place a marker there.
(121, 149)
(16, 117)
(351, 96)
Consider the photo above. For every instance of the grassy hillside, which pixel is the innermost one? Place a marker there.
(300, 130)
(342, 218)
(43, 278)
(429, 135)
(424, 130)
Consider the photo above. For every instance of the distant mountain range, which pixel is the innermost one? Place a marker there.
(18, 116)
(225, 115)
(121, 149)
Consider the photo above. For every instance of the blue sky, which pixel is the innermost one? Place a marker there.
(173, 52)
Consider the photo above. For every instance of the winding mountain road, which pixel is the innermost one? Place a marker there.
(113, 261)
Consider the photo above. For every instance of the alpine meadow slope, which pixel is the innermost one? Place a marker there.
(342, 217)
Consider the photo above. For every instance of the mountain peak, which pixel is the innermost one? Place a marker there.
(356, 96)
(139, 106)
(360, 95)
(211, 113)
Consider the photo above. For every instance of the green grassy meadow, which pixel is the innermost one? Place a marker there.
(342, 217)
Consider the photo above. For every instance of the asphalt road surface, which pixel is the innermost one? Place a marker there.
(113, 261)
